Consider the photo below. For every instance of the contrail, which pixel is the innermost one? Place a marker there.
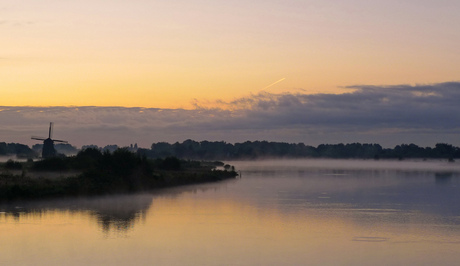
(273, 83)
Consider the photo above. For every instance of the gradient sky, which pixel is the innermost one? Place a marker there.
(166, 53)
(185, 57)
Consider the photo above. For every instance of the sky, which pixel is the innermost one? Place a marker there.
(143, 71)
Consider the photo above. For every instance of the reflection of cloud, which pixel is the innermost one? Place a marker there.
(390, 115)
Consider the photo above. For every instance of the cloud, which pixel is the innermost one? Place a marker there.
(389, 115)
(367, 107)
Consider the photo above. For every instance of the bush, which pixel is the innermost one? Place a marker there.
(52, 164)
(170, 163)
(12, 165)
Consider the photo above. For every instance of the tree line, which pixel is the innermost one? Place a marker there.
(220, 150)
(17, 149)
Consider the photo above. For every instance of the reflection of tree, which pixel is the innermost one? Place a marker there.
(109, 223)
(121, 213)
(395, 193)
(443, 178)
(118, 212)
(115, 213)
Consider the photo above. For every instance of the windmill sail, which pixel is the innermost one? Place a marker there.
(62, 141)
(51, 130)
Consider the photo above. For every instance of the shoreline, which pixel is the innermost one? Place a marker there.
(17, 187)
(94, 173)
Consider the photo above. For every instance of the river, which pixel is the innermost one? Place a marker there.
(280, 212)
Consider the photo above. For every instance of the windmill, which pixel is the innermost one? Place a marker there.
(48, 143)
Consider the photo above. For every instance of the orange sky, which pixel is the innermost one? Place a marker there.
(165, 54)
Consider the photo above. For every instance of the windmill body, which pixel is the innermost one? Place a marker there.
(48, 144)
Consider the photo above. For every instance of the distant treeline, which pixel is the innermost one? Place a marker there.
(24, 151)
(62, 148)
(220, 150)
(17, 149)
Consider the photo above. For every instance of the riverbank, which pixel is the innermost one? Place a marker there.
(94, 173)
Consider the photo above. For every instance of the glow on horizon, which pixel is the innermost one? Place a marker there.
(165, 54)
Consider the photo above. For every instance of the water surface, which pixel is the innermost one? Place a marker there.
(304, 212)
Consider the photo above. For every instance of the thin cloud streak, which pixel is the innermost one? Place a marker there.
(389, 115)
(274, 83)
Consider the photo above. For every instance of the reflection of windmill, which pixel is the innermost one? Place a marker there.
(48, 143)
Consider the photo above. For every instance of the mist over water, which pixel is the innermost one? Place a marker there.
(348, 164)
(280, 212)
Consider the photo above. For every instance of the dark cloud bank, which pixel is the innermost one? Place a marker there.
(388, 115)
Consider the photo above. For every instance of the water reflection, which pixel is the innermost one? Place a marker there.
(370, 195)
(116, 213)
(443, 177)
(402, 191)
(296, 216)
